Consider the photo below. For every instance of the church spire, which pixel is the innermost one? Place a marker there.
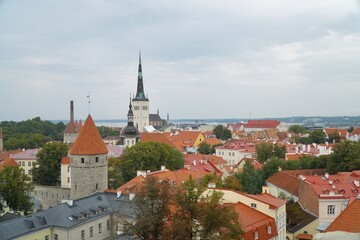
(140, 95)
(130, 115)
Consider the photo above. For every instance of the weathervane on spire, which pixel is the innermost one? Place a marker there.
(88, 96)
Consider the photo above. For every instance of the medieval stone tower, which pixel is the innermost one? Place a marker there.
(88, 162)
(140, 103)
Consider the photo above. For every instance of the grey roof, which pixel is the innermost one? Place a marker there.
(62, 214)
(297, 218)
(154, 117)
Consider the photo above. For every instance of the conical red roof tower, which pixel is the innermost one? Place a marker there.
(89, 141)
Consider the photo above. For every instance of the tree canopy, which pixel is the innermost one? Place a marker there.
(149, 156)
(115, 178)
(47, 168)
(222, 132)
(31, 133)
(15, 188)
(265, 151)
(296, 129)
(346, 157)
(152, 210)
(107, 131)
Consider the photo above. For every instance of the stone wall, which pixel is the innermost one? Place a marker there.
(50, 195)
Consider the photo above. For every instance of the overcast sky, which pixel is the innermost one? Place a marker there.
(201, 59)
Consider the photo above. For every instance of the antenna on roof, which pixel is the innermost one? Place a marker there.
(88, 96)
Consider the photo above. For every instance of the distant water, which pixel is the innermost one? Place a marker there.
(123, 122)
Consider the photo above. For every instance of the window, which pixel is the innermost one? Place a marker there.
(30, 172)
(23, 163)
(100, 227)
(56, 237)
(256, 235)
(253, 205)
(82, 160)
(108, 224)
(96, 186)
(33, 163)
(47, 237)
(29, 164)
(68, 168)
(136, 107)
(82, 234)
(269, 229)
(229, 153)
(68, 179)
(91, 231)
(331, 209)
(97, 159)
(144, 107)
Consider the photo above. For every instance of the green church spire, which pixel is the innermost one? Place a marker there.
(140, 95)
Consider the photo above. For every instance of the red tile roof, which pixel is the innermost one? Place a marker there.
(5, 154)
(272, 201)
(339, 185)
(262, 124)
(288, 180)
(212, 141)
(65, 160)
(71, 128)
(175, 177)
(9, 162)
(356, 131)
(216, 160)
(89, 141)
(348, 220)
(304, 236)
(342, 132)
(186, 138)
(241, 145)
(156, 137)
(253, 221)
(295, 156)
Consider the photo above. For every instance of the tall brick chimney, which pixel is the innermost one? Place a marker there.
(71, 111)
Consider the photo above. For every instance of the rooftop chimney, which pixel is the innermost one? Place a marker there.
(71, 111)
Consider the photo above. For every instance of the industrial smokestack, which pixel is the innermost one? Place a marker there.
(71, 111)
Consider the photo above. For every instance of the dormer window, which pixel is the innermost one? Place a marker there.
(269, 229)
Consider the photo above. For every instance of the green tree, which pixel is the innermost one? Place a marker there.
(31, 133)
(334, 137)
(204, 148)
(279, 152)
(305, 140)
(232, 182)
(297, 129)
(210, 178)
(107, 131)
(251, 180)
(47, 168)
(317, 136)
(222, 132)
(15, 188)
(272, 166)
(346, 157)
(149, 156)
(264, 151)
(115, 178)
(152, 210)
(203, 217)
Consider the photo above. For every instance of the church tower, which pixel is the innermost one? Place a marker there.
(88, 162)
(140, 103)
(129, 136)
